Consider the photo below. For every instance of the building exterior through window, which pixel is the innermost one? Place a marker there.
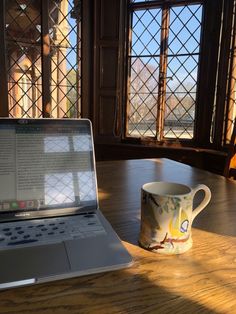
(163, 69)
(43, 58)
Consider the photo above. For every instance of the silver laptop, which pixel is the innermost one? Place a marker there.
(50, 224)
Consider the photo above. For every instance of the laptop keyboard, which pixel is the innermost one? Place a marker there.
(49, 230)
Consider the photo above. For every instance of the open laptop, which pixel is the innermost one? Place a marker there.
(50, 224)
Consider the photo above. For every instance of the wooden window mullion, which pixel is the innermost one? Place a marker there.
(46, 66)
(230, 114)
(162, 74)
(129, 58)
(3, 64)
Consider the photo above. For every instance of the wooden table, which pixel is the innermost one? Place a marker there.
(203, 280)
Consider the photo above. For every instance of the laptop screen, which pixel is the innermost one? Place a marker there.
(46, 164)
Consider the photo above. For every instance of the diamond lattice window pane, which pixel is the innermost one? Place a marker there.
(184, 29)
(65, 60)
(144, 60)
(143, 96)
(24, 52)
(146, 32)
(182, 67)
(23, 40)
(147, 58)
(181, 96)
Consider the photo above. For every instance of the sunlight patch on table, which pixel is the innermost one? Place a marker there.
(204, 275)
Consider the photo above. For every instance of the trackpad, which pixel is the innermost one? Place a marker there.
(36, 262)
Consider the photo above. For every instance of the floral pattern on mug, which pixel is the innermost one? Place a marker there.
(166, 221)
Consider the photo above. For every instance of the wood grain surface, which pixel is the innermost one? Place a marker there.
(202, 280)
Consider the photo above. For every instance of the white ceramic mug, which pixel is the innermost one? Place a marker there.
(167, 214)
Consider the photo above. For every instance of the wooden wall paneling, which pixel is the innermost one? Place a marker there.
(109, 68)
(106, 100)
(109, 22)
(223, 78)
(3, 64)
(209, 59)
(231, 85)
(210, 160)
(106, 108)
(87, 59)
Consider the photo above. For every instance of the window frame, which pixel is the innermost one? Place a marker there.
(165, 8)
(45, 47)
(209, 61)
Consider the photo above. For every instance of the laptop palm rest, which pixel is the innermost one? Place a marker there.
(94, 255)
(33, 262)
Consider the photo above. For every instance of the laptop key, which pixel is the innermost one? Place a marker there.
(26, 241)
(50, 230)
(89, 215)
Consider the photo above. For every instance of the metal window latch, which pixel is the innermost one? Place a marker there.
(162, 77)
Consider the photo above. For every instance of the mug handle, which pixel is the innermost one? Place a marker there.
(204, 202)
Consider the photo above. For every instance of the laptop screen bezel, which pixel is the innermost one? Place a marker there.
(50, 212)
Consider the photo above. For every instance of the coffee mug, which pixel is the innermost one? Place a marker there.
(167, 214)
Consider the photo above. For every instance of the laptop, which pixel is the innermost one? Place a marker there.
(51, 227)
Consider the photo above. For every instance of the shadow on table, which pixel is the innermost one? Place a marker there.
(115, 292)
(210, 261)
